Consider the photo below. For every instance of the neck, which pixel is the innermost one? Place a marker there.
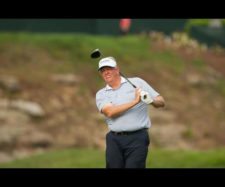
(116, 83)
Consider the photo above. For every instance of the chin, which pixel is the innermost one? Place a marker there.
(108, 80)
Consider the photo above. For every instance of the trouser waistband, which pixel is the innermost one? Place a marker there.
(127, 132)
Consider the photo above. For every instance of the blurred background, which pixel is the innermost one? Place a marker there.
(48, 82)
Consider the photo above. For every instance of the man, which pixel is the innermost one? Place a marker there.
(126, 115)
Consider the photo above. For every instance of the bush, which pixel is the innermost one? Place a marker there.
(199, 22)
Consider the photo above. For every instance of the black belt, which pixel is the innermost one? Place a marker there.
(128, 132)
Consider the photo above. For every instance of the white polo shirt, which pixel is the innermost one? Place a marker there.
(133, 119)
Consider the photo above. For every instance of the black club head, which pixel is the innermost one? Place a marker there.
(96, 53)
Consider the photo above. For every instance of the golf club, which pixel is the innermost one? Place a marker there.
(145, 96)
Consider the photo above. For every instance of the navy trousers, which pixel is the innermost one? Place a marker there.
(127, 150)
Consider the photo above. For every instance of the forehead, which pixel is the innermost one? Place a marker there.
(106, 68)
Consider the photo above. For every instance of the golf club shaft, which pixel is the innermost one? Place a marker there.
(128, 80)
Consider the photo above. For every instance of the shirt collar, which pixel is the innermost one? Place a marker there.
(123, 80)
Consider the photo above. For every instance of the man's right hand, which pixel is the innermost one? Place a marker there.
(137, 95)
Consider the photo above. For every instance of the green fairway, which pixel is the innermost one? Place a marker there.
(91, 158)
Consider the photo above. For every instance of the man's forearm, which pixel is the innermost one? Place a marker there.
(112, 111)
(158, 102)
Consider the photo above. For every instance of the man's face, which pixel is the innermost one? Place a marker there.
(109, 74)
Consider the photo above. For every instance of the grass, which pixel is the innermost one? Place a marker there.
(52, 52)
(69, 53)
(92, 158)
(187, 159)
(71, 158)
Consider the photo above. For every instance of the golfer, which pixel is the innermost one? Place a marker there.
(126, 115)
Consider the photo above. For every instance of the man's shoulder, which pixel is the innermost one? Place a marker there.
(101, 91)
(138, 81)
(135, 79)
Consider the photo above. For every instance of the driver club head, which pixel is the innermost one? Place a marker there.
(96, 53)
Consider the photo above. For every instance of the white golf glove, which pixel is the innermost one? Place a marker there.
(145, 97)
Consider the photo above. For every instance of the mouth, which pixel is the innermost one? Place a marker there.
(107, 76)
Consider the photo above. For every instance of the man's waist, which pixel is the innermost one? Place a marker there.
(128, 132)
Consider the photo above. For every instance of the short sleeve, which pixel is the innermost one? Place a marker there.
(101, 100)
(146, 87)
